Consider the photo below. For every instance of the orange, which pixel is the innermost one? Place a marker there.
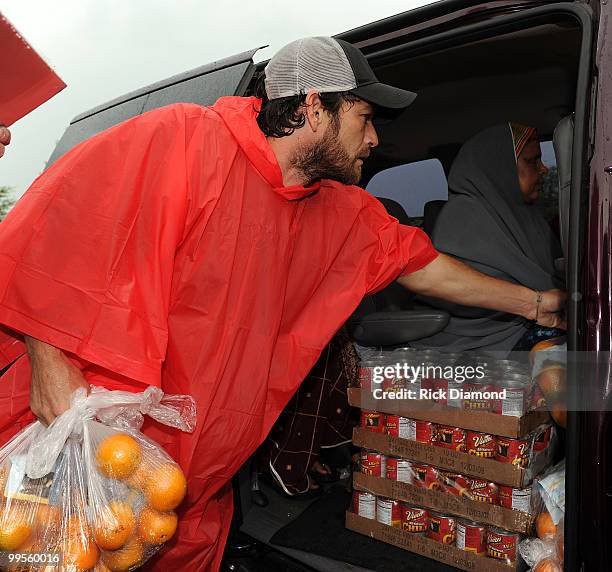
(47, 517)
(123, 559)
(156, 527)
(15, 531)
(165, 487)
(118, 456)
(560, 548)
(545, 527)
(76, 526)
(114, 525)
(547, 565)
(80, 553)
(137, 479)
(552, 382)
(559, 414)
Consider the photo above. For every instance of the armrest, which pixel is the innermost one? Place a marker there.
(396, 328)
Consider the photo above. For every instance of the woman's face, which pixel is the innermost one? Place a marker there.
(531, 171)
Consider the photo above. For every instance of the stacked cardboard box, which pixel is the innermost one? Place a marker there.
(450, 460)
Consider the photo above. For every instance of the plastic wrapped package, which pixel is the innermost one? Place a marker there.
(545, 553)
(91, 492)
(549, 364)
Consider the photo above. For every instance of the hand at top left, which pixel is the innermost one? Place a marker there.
(5, 138)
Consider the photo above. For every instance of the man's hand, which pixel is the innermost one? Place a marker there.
(5, 138)
(54, 379)
(551, 310)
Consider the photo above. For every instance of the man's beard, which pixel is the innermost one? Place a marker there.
(326, 160)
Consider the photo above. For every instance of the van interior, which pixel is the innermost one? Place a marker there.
(526, 72)
(529, 65)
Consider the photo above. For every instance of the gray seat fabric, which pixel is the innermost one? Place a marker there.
(431, 210)
(563, 138)
(388, 318)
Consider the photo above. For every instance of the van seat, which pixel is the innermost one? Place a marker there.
(563, 137)
(388, 317)
(431, 211)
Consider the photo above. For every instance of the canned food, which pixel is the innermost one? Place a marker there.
(454, 483)
(422, 431)
(515, 499)
(399, 470)
(502, 544)
(414, 519)
(364, 504)
(389, 512)
(477, 394)
(365, 372)
(393, 384)
(373, 463)
(373, 421)
(450, 438)
(510, 365)
(481, 444)
(425, 476)
(471, 537)
(517, 391)
(542, 440)
(442, 528)
(483, 491)
(398, 426)
(513, 451)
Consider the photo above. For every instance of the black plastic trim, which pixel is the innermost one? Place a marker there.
(202, 70)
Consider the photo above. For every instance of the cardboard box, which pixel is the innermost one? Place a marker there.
(492, 423)
(450, 555)
(455, 461)
(446, 503)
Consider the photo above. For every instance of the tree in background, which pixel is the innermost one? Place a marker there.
(549, 198)
(7, 200)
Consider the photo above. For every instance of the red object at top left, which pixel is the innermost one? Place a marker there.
(27, 81)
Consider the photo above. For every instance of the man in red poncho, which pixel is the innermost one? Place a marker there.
(214, 252)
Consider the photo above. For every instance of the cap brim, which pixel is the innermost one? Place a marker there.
(385, 96)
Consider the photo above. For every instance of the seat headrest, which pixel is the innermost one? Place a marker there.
(563, 138)
(395, 210)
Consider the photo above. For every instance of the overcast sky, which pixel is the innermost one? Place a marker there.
(105, 48)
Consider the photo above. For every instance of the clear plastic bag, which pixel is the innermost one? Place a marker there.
(545, 553)
(91, 492)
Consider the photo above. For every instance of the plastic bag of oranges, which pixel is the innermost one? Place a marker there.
(544, 553)
(91, 492)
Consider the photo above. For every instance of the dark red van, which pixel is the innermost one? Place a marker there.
(476, 63)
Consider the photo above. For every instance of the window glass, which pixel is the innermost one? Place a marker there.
(411, 185)
(549, 199)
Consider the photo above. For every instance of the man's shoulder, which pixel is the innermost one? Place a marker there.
(180, 112)
(349, 194)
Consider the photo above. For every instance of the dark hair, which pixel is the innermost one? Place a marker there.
(281, 117)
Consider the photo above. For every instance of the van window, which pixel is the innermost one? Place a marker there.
(411, 185)
(549, 198)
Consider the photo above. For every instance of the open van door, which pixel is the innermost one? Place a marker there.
(203, 85)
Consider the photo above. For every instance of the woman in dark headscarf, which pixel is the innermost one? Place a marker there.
(491, 223)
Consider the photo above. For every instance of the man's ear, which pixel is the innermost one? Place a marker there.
(314, 111)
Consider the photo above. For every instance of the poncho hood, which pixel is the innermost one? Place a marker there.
(240, 116)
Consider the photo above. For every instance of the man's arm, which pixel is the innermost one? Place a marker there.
(5, 138)
(456, 282)
(54, 379)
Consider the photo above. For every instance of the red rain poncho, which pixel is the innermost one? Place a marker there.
(167, 251)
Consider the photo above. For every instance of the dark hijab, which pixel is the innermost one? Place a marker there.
(487, 224)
